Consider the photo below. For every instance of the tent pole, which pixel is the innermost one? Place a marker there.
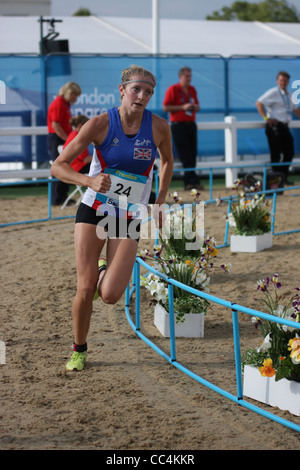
(155, 27)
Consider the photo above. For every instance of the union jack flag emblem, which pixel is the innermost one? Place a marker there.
(142, 154)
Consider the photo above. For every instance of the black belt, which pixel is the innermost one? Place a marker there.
(183, 122)
(279, 123)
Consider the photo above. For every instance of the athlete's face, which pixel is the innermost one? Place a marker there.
(137, 94)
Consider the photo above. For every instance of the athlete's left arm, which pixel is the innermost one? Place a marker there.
(163, 141)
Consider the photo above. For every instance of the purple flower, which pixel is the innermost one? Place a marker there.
(262, 285)
(275, 282)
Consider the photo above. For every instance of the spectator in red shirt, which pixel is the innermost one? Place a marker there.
(59, 127)
(182, 103)
(82, 162)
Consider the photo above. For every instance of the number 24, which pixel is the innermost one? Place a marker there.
(120, 190)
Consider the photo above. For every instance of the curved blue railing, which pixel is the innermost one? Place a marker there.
(235, 308)
(171, 358)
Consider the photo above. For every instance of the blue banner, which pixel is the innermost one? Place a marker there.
(224, 86)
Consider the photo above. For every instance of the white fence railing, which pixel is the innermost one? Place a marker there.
(230, 125)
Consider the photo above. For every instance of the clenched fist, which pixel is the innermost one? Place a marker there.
(100, 183)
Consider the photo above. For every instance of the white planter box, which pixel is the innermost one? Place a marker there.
(251, 243)
(192, 327)
(285, 394)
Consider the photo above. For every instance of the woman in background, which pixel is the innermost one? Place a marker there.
(59, 127)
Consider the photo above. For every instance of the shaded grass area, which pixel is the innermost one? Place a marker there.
(16, 191)
(41, 189)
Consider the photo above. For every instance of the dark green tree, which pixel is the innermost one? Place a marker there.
(82, 12)
(273, 11)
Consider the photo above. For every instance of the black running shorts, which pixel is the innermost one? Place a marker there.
(115, 228)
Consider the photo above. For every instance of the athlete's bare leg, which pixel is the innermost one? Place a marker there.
(88, 247)
(121, 254)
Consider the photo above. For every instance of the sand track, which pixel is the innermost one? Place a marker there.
(128, 397)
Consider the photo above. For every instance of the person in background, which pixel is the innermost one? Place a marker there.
(181, 101)
(125, 141)
(59, 127)
(82, 162)
(276, 107)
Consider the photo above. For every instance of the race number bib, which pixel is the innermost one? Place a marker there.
(126, 189)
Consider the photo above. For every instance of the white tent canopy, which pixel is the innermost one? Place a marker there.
(116, 35)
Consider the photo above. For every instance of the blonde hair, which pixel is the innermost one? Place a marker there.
(68, 88)
(136, 70)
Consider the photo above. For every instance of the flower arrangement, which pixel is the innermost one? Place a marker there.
(183, 230)
(187, 258)
(193, 272)
(279, 353)
(251, 214)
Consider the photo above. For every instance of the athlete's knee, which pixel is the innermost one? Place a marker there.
(110, 299)
(86, 290)
(110, 296)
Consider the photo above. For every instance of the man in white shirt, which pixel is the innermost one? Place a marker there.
(276, 107)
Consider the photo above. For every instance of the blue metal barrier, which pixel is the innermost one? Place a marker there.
(45, 219)
(235, 308)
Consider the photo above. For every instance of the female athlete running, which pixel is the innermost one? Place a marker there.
(125, 142)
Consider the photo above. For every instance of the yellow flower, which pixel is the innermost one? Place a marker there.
(267, 369)
(295, 348)
(212, 251)
(293, 343)
(188, 262)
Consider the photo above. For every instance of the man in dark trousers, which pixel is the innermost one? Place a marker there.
(182, 103)
(276, 107)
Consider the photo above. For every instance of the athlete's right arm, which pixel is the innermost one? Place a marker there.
(95, 131)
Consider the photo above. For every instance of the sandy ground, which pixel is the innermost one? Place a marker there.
(128, 397)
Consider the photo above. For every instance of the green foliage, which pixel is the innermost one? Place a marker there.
(265, 11)
(288, 370)
(82, 12)
(252, 222)
(189, 304)
(253, 357)
(181, 232)
(278, 339)
(250, 215)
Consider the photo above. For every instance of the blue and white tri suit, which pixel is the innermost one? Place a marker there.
(132, 155)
